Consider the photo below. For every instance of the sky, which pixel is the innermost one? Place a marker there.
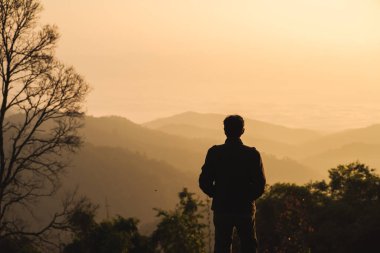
(299, 63)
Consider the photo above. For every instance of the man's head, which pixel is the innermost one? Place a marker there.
(233, 126)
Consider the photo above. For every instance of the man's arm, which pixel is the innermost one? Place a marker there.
(207, 176)
(258, 178)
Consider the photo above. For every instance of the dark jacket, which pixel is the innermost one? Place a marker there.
(233, 176)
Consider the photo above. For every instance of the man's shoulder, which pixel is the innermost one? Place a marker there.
(251, 150)
(221, 147)
(216, 148)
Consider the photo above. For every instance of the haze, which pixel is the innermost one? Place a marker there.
(297, 63)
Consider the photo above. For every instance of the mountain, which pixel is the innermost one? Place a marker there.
(183, 153)
(366, 135)
(288, 170)
(302, 145)
(217, 136)
(308, 149)
(191, 131)
(131, 183)
(194, 124)
(134, 169)
(363, 152)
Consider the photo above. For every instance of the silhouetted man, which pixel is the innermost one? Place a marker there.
(233, 176)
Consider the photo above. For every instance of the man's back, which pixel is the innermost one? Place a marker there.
(233, 176)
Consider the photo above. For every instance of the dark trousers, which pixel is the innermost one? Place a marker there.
(245, 226)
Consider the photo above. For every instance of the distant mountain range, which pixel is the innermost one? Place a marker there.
(301, 145)
(181, 152)
(194, 124)
(139, 167)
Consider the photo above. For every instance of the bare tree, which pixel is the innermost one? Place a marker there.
(40, 113)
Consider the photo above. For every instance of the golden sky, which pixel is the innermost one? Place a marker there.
(306, 63)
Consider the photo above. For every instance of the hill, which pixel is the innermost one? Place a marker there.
(368, 153)
(182, 153)
(132, 184)
(137, 168)
(366, 135)
(189, 124)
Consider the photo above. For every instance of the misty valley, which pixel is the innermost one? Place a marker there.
(138, 167)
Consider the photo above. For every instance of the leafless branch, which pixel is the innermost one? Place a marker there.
(48, 98)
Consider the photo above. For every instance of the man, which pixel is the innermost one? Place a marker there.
(233, 176)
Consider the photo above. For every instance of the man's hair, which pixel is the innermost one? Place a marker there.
(233, 125)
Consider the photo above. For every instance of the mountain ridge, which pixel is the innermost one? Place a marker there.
(215, 121)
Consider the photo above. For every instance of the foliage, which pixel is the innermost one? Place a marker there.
(119, 235)
(341, 215)
(181, 230)
(18, 245)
